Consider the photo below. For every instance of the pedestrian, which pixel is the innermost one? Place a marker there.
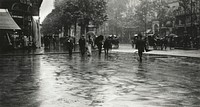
(107, 45)
(54, 41)
(165, 43)
(89, 45)
(46, 42)
(99, 43)
(74, 42)
(82, 45)
(25, 40)
(140, 43)
(70, 45)
(170, 42)
(132, 42)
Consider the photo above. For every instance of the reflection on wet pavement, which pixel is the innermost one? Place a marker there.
(117, 81)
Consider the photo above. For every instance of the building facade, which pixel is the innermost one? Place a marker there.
(23, 11)
(187, 23)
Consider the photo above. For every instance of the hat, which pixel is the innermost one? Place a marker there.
(139, 35)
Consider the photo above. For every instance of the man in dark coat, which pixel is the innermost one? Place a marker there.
(99, 43)
(70, 44)
(82, 45)
(107, 45)
(140, 43)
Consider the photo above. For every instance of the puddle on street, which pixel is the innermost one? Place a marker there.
(116, 81)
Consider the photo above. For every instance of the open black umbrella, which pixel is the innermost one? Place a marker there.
(98, 39)
(173, 35)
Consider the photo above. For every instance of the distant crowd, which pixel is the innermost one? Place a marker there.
(170, 40)
(85, 44)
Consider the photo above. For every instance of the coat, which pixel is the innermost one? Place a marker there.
(140, 44)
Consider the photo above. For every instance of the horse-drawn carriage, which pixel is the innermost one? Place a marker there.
(161, 42)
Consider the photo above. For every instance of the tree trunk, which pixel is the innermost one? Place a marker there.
(86, 26)
(75, 28)
(83, 29)
(87, 29)
(69, 31)
(66, 30)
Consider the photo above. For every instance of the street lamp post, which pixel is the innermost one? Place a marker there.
(193, 13)
(198, 38)
(146, 18)
(191, 16)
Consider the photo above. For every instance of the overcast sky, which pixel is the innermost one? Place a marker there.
(45, 9)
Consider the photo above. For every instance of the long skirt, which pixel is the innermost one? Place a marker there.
(89, 49)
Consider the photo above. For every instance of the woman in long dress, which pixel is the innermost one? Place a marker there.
(89, 45)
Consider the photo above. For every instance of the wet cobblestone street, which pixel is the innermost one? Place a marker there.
(116, 81)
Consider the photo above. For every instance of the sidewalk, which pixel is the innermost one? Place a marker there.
(174, 52)
(125, 48)
(39, 51)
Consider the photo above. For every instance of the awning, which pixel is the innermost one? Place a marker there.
(6, 21)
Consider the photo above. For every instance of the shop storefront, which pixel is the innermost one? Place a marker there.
(187, 25)
(22, 12)
(7, 30)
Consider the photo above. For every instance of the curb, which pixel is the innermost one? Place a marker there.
(76, 52)
(172, 55)
(34, 54)
(146, 53)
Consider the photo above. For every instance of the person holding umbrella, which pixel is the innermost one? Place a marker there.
(99, 43)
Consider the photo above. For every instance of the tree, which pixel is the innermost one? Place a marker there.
(100, 15)
(82, 12)
(117, 14)
(144, 14)
(184, 4)
(69, 13)
(51, 24)
(189, 9)
(130, 20)
(91, 11)
(162, 11)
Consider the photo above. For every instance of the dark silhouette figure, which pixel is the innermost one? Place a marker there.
(107, 45)
(47, 42)
(82, 45)
(69, 44)
(170, 42)
(99, 43)
(54, 42)
(165, 42)
(140, 43)
(74, 42)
